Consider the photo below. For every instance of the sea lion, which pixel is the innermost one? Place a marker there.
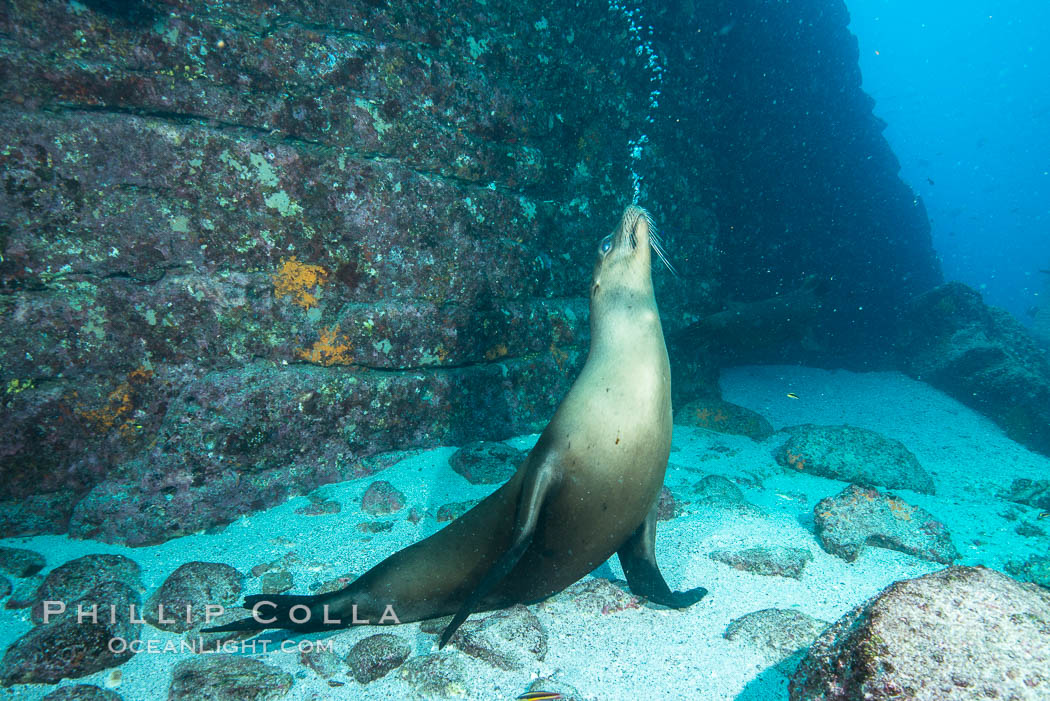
(588, 488)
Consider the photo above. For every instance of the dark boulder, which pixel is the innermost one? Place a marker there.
(853, 454)
(982, 357)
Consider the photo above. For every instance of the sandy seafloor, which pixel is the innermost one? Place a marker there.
(649, 653)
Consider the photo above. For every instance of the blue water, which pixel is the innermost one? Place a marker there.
(964, 86)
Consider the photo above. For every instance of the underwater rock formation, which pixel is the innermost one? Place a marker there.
(848, 522)
(82, 692)
(769, 560)
(251, 244)
(961, 633)
(440, 675)
(486, 462)
(510, 639)
(1035, 569)
(1034, 493)
(724, 417)
(72, 580)
(19, 562)
(381, 499)
(187, 592)
(853, 454)
(376, 656)
(716, 491)
(982, 357)
(65, 648)
(779, 634)
(227, 678)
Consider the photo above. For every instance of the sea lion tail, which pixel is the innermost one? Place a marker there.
(275, 611)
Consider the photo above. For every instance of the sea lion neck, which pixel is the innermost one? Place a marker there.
(624, 316)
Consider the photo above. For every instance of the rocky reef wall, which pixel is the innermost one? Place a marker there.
(246, 245)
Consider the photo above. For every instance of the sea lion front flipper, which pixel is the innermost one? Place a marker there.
(638, 558)
(540, 477)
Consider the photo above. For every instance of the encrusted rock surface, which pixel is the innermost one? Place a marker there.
(23, 594)
(187, 592)
(596, 596)
(382, 498)
(452, 511)
(777, 633)
(248, 245)
(323, 661)
(720, 492)
(853, 454)
(858, 517)
(73, 579)
(227, 678)
(1034, 493)
(276, 582)
(65, 648)
(19, 562)
(667, 506)
(724, 417)
(486, 462)
(1035, 569)
(82, 692)
(376, 656)
(961, 633)
(773, 560)
(509, 639)
(443, 674)
(982, 357)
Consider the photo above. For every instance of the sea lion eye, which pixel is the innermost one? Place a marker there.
(606, 245)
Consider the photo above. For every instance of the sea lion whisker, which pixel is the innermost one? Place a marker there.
(657, 244)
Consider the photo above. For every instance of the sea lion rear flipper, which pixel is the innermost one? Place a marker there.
(539, 479)
(276, 612)
(638, 558)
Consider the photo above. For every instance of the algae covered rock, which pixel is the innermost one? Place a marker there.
(65, 648)
(854, 455)
(777, 633)
(1035, 569)
(382, 498)
(509, 639)
(376, 656)
(82, 692)
(184, 596)
(486, 462)
(722, 493)
(19, 562)
(443, 674)
(961, 633)
(982, 356)
(227, 678)
(771, 560)
(858, 517)
(72, 580)
(1034, 493)
(724, 417)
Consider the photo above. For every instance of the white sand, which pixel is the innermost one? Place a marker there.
(649, 652)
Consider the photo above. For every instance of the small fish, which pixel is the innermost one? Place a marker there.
(792, 395)
(1043, 515)
(540, 696)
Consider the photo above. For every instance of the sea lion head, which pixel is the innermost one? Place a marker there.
(622, 271)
